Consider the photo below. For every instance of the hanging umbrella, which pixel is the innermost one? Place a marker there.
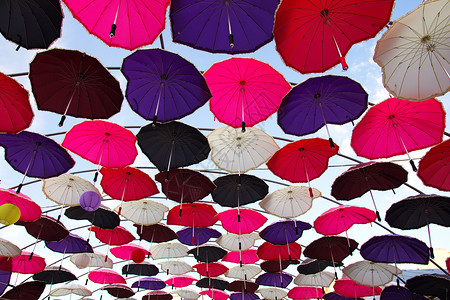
(314, 36)
(119, 290)
(305, 292)
(157, 295)
(238, 152)
(141, 269)
(289, 202)
(117, 236)
(207, 253)
(168, 250)
(8, 249)
(185, 293)
(149, 283)
(31, 24)
(223, 27)
(238, 242)
(274, 279)
(71, 288)
(245, 91)
(35, 155)
(29, 210)
(162, 86)
(212, 283)
(321, 279)
(243, 286)
(156, 233)
(284, 232)
(268, 251)
(16, 112)
(125, 251)
(70, 244)
(27, 290)
(348, 288)
(243, 296)
(393, 292)
(196, 215)
(103, 217)
(95, 260)
(421, 33)
(272, 266)
(241, 220)
(403, 125)
(69, 82)
(215, 294)
(245, 272)
(54, 275)
(105, 276)
(175, 267)
(310, 156)
(366, 177)
(180, 280)
(370, 273)
(313, 266)
(23, 264)
(319, 101)
(336, 296)
(197, 236)
(213, 269)
(123, 24)
(172, 145)
(433, 167)
(5, 277)
(418, 211)
(272, 293)
(437, 285)
(142, 212)
(242, 257)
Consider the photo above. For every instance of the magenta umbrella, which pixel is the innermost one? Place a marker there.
(241, 220)
(105, 276)
(23, 264)
(29, 210)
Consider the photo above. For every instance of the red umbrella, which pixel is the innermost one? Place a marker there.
(348, 288)
(180, 280)
(156, 233)
(434, 167)
(197, 215)
(313, 36)
(302, 161)
(23, 264)
(396, 126)
(16, 113)
(117, 236)
(105, 276)
(241, 220)
(243, 257)
(29, 211)
(213, 269)
(126, 251)
(305, 292)
(268, 251)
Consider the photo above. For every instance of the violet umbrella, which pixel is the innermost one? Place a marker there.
(162, 86)
(274, 279)
(336, 296)
(284, 232)
(70, 244)
(35, 155)
(394, 292)
(197, 236)
(5, 277)
(243, 296)
(223, 27)
(319, 101)
(149, 283)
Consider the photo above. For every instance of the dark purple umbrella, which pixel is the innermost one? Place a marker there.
(35, 155)
(53, 275)
(336, 296)
(118, 290)
(313, 266)
(319, 101)
(284, 232)
(156, 233)
(395, 292)
(162, 86)
(31, 290)
(243, 286)
(243, 296)
(395, 249)
(197, 236)
(70, 244)
(273, 266)
(142, 269)
(232, 27)
(149, 283)
(5, 276)
(274, 279)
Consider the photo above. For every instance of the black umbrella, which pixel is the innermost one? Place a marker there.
(242, 286)
(103, 217)
(142, 269)
(173, 144)
(236, 190)
(31, 290)
(418, 211)
(32, 24)
(313, 266)
(52, 275)
(272, 266)
(430, 285)
(208, 253)
(213, 283)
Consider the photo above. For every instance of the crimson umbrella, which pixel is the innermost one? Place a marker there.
(156, 233)
(15, 111)
(29, 210)
(211, 269)
(215, 294)
(117, 236)
(124, 24)
(348, 288)
(365, 177)
(69, 82)
(268, 251)
(313, 36)
(396, 126)
(197, 215)
(433, 167)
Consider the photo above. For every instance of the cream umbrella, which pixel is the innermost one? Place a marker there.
(175, 267)
(84, 260)
(237, 242)
(142, 212)
(71, 288)
(414, 53)
(186, 293)
(168, 250)
(245, 272)
(371, 273)
(8, 249)
(272, 293)
(323, 279)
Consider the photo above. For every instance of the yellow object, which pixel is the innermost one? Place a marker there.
(9, 214)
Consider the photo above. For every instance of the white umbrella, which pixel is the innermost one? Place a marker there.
(414, 53)
(238, 242)
(8, 249)
(168, 250)
(371, 273)
(272, 293)
(84, 260)
(323, 279)
(289, 202)
(186, 293)
(238, 152)
(175, 267)
(245, 272)
(142, 212)
(71, 288)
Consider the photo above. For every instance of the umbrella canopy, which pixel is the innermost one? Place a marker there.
(433, 167)
(180, 280)
(348, 288)
(274, 279)
(197, 236)
(313, 266)
(95, 260)
(119, 290)
(396, 126)
(5, 278)
(53, 275)
(416, 34)
(245, 91)
(242, 257)
(149, 283)
(319, 101)
(289, 202)
(142, 212)
(70, 244)
(197, 215)
(8, 249)
(16, 113)
(103, 217)
(223, 27)
(272, 293)
(186, 293)
(336, 296)
(71, 288)
(157, 295)
(305, 292)
(117, 236)
(431, 285)
(238, 152)
(168, 250)
(69, 82)
(156, 233)
(29, 210)
(32, 24)
(272, 266)
(46, 228)
(398, 292)
(321, 279)
(284, 232)
(26, 290)
(105, 276)
(243, 296)
(215, 294)
(238, 189)
(371, 273)
(245, 272)
(141, 269)
(268, 251)
(208, 253)
(125, 251)
(173, 144)
(213, 269)
(238, 242)
(23, 264)
(162, 86)
(175, 267)
(212, 283)
(241, 220)
(243, 286)
(126, 24)
(314, 36)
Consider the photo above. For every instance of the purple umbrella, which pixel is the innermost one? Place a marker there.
(238, 26)
(35, 155)
(395, 249)
(274, 279)
(284, 232)
(149, 283)
(162, 86)
(336, 296)
(394, 292)
(197, 236)
(319, 101)
(71, 244)
(5, 276)
(243, 296)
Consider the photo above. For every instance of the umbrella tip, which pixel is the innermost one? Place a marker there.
(231, 40)
(413, 165)
(112, 33)
(61, 122)
(378, 216)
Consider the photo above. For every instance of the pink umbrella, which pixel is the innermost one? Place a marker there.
(103, 143)
(126, 251)
(105, 276)
(348, 288)
(180, 280)
(241, 220)
(244, 257)
(245, 91)
(215, 294)
(29, 211)
(23, 264)
(305, 292)
(396, 126)
(124, 24)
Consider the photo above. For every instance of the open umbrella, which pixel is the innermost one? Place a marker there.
(215, 294)
(396, 126)
(272, 293)
(189, 294)
(242, 257)
(156, 233)
(348, 288)
(71, 288)
(162, 86)
(314, 36)
(83, 260)
(124, 24)
(272, 266)
(117, 236)
(305, 292)
(175, 267)
(105, 276)
(29, 210)
(208, 253)
(313, 266)
(180, 280)
(421, 33)
(168, 250)
(8, 249)
(284, 232)
(223, 27)
(198, 215)
(336, 296)
(197, 236)
(119, 290)
(437, 285)
(23, 264)
(268, 251)
(142, 212)
(371, 273)
(69, 82)
(103, 217)
(141, 269)
(212, 283)
(213, 269)
(245, 91)
(149, 283)
(243, 286)
(157, 295)
(70, 244)
(15, 113)
(241, 220)
(433, 167)
(5, 278)
(27, 290)
(53, 275)
(322, 279)
(245, 272)
(319, 101)
(243, 296)
(238, 242)
(274, 279)
(125, 251)
(393, 292)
